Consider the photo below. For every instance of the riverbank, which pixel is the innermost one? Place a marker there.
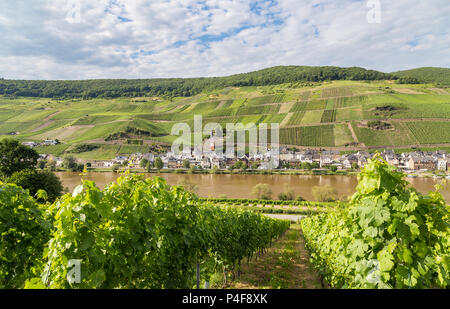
(318, 172)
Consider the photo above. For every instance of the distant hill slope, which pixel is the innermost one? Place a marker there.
(176, 87)
(440, 76)
(342, 115)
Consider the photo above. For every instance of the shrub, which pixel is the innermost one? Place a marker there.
(390, 236)
(70, 163)
(142, 233)
(325, 194)
(23, 234)
(262, 191)
(34, 181)
(84, 148)
(16, 157)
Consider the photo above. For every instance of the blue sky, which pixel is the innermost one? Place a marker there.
(52, 39)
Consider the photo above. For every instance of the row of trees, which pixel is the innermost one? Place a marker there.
(18, 165)
(175, 87)
(320, 193)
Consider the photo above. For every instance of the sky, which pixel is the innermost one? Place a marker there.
(91, 39)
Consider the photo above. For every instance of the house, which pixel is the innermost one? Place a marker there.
(215, 163)
(59, 162)
(172, 163)
(121, 159)
(50, 142)
(421, 163)
(108, 164)
(205, 164)
(288, 156)
(349, 160)
(442, 164)
(334, 154)
(265, 165)
(326, 160)
(30, 144)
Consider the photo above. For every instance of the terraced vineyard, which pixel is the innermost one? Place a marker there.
(328, 114)
(308, 136)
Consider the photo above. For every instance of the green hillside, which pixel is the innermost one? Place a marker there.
(343, 115)
(439, 76)
(173, 87)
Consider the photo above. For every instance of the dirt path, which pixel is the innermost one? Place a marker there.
(294, 218)
(46, 122)
(285, 265)
(350, 127)
(221, 104)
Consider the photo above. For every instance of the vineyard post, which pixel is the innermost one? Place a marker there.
(198, 275)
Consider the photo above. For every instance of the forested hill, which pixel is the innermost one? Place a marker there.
(174, 87)
(439, 76)
(183, 87)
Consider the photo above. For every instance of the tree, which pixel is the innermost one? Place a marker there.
(254, 165)
(186, 164)
(159, 163)
(306, 166)
(333, 168)
(144, 163)
(325, 194)
(149, 166)
(262, 191)
(355, 166)
(34, 181)
(287, 195)
(51, 165)
(70, 163)
(15, 157)
(239, 165)
(115, 167)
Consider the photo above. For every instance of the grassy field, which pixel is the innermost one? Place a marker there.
(316, 115)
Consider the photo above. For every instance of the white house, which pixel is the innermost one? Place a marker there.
(108, 164)
(442, 164)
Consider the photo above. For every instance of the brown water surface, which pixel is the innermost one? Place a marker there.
(240, 186)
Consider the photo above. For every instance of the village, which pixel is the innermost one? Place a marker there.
(309, 159)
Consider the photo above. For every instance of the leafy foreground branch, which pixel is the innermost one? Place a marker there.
(136, 233)
(390, 236)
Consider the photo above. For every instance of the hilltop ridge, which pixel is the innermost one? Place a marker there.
(185, 87)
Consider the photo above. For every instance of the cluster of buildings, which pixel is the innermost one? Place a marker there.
(205, 161)
(47, 142)
(411, 161)
(408, 161)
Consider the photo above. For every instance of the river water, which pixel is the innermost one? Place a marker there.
(240, 186)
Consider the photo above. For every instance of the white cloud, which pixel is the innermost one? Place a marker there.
(185, 38)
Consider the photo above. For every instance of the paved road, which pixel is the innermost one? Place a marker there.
(293, 218)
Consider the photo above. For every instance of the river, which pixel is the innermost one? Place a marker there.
(240, 186)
